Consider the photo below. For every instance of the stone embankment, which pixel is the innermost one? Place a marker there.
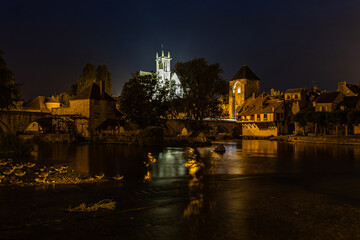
(343, 140)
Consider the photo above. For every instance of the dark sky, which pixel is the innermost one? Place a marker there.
(287, 44)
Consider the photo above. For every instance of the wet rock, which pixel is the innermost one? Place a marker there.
(220, 149)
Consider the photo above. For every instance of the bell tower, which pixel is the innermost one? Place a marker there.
(163, 66)
(243, 85)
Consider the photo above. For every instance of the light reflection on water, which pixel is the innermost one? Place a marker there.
(245, 157)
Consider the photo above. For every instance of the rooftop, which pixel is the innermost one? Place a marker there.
(294, 90)
(327, 97)
(245, 73)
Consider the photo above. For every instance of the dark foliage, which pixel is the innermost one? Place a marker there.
(9, 91)
(203, 87)
(143, 101)
(90, 75)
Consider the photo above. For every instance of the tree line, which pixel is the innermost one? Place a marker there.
(146, 102)
(323, 120)
(10, 92)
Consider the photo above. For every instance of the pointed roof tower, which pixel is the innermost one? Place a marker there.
(245, 73)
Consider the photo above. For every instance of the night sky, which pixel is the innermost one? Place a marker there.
(287, 44)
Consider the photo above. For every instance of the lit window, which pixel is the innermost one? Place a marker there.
(239, 90)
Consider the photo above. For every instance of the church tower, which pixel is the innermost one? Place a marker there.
(163, 66)
(243, 85)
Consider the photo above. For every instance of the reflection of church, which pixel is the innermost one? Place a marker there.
(163, 70)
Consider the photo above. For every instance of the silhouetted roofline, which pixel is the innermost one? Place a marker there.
(245, 73)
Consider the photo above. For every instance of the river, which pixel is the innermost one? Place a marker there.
(246, 157)
(257, 189)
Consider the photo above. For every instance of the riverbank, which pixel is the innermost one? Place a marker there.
(341, 140)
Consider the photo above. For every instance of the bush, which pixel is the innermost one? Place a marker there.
(152, 136)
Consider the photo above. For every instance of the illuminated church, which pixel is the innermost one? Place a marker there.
(163, 70)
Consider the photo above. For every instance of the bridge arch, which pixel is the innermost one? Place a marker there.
(34, 126)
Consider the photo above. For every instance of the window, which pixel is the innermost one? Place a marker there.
(252, 117)
(239, 90)
(265, 117)
(288, 97)
(257, 117)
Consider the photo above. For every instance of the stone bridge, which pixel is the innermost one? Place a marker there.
(16, 121)
(179, 126)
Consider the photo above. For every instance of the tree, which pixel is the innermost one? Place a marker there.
(89, 76)
(320, 120)
(144, 101)
(352, 118)
(9, 91)
(301, 119)
(203, 86)
(103, 74)
(338, 118)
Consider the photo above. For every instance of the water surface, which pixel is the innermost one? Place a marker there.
(246, 157)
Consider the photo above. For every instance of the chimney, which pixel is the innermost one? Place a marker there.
(102, 89)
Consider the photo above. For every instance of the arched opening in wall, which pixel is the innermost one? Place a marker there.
(184, 132)
(34, 127)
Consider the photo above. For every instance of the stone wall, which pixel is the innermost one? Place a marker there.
(239, 91)
(100, 110)
(18, 121)
(254, 130)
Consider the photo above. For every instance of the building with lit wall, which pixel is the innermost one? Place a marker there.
(243, 85)
(163, 70)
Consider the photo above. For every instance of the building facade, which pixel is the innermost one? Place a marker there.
(263, 116)
(243, 85)
(163, 71)
(94, 104)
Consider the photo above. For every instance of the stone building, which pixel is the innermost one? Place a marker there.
(348, 89)
(263, 116)
(296, 98)
(350, 103)
(243, 85)
(92, 103)
(42, 104)
(163, 71)
(328, 101)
